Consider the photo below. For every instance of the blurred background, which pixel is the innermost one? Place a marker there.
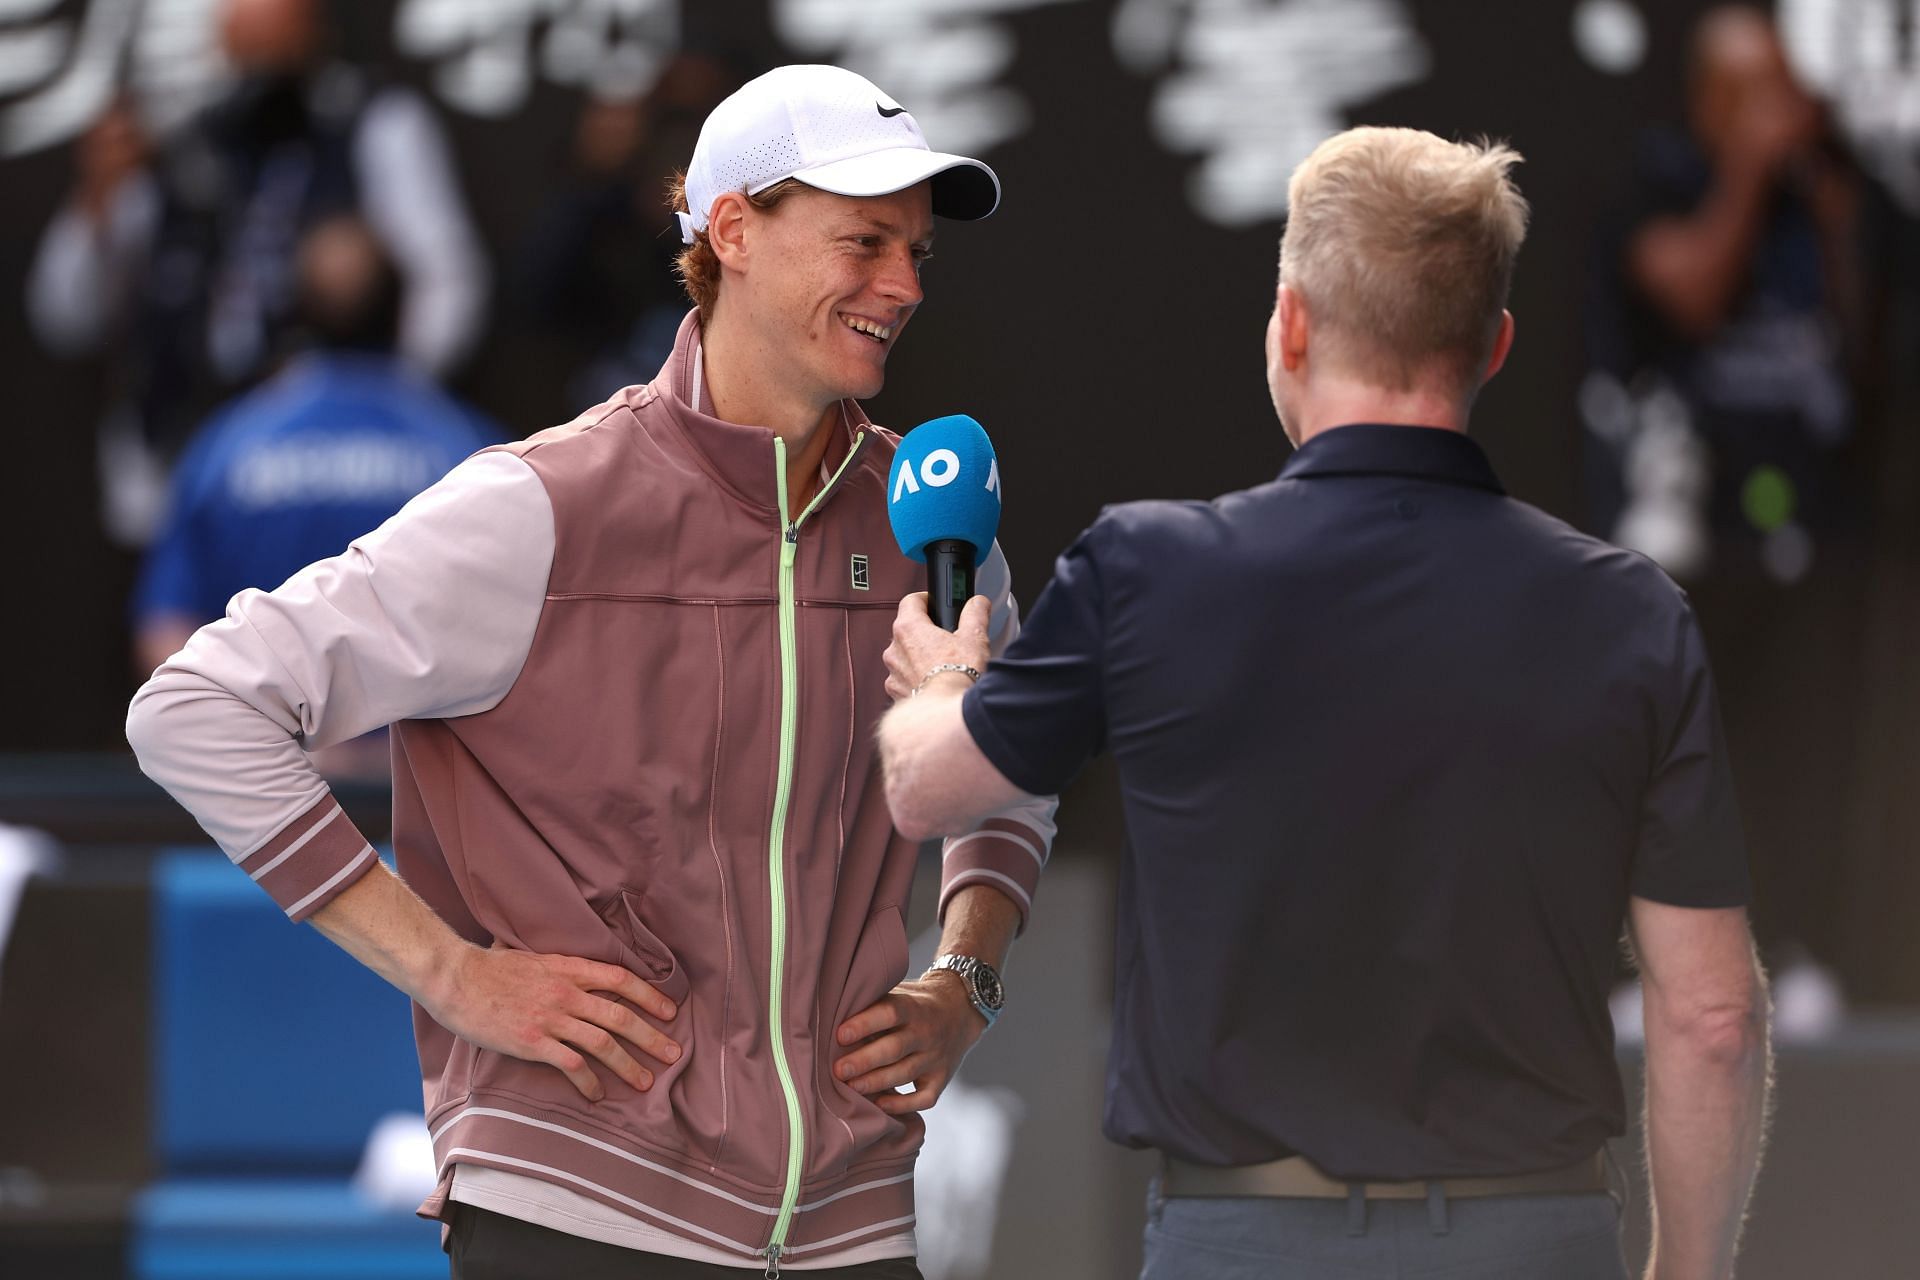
(268, 267)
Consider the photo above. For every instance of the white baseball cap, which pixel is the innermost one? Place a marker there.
(832, 130)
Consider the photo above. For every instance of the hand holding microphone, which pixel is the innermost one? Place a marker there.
(944, 504)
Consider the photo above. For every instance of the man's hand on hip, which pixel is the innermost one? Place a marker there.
(538, 1007)
(554, 1009)
(917, 1033)
(919, 645)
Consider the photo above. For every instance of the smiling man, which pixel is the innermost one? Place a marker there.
(649, 900)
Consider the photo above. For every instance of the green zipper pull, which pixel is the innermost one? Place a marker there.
(773, 1262)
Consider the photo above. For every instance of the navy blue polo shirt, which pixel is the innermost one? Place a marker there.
(1394, 749)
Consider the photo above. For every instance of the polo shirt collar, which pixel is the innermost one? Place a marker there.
(1371, 448)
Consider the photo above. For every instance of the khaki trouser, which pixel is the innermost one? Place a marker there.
(1521, 1237)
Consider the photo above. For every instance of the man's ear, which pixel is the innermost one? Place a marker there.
(1294, 327)
(1502, 344)
(727, 229)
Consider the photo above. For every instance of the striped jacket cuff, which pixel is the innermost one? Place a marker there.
(311, 860)
(1003, 852)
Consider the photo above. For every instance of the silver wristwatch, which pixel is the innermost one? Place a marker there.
(983, 983)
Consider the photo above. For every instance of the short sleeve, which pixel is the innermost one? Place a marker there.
(1690, 851)
(1038, 714)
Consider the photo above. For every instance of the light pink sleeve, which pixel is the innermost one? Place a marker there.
(1009, 849)
(430, 615)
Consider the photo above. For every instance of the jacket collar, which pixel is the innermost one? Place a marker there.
(739, 458)
(1368, 448)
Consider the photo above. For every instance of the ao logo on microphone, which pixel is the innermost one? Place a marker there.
(945, 486)
(939, 469)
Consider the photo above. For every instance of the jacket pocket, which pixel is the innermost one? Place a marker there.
(621, 939)
(644, 953)
(879, 964)
(688, 1110)
(860, 1130)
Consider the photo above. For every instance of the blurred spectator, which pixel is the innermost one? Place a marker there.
(297, 468)
(1726, 343)
(1732, 296)
(178, 264)
(598, 267)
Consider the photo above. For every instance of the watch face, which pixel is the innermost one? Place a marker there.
(986, 986)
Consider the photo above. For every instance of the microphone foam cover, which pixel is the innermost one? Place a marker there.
(944, 483)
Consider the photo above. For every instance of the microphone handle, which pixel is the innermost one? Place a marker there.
(949, 580)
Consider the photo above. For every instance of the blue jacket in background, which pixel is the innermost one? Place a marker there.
(296, 469)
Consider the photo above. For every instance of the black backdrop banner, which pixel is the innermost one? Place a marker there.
(1105, 325)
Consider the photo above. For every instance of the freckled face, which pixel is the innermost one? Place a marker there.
(840, 280)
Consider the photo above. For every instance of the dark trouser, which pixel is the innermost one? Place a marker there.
(1525, 1237)
(491, 1246)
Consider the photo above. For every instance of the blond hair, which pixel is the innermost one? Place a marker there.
(697, 265)
(1402, 245)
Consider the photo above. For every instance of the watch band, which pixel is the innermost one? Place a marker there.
(984, 987)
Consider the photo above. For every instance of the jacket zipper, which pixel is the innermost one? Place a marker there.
(776, 842)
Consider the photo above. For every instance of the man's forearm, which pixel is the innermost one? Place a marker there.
(919, 1032)
(980, 921)
(1707, 1084)
(937, 780)
(514, 1002)
(384, 925)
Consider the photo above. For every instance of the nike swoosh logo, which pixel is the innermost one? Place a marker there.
(888, 114)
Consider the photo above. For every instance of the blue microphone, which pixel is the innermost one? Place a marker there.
(944, 502)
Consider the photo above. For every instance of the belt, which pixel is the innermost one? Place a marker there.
(1294, 1176)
